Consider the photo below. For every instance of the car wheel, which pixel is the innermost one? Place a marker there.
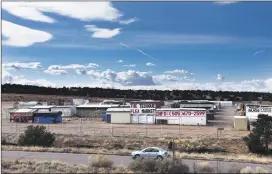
(159, 157)
(137, 156)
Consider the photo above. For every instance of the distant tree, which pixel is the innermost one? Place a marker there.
(261, 136)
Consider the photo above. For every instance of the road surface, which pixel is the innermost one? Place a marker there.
(71, 158)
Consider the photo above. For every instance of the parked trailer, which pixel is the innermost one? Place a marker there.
(252, 111)
(182, 116)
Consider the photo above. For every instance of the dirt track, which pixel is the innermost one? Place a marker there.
(94, 127)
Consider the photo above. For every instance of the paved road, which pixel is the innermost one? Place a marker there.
(118, 160)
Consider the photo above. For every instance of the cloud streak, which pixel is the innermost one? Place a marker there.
(142, 52)
(22, 65)
(258, 52)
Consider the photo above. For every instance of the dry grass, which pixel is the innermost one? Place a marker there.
(250, 170)
(251, 158)
(54, 167)
(123, 152)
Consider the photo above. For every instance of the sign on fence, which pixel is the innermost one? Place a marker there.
(180, 113)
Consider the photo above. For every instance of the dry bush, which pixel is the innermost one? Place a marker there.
(157, 166)
(203, 167)
(248, 169)
(234, 169)
(102, 162)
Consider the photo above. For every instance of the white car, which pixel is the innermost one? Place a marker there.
(150, 152)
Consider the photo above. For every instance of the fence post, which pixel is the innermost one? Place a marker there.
(94, 132)
(161, 129)
(112, 130)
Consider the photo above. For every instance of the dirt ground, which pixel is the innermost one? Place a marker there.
(223, 118)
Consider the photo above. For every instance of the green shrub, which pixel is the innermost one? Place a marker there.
(36, 136)
(261, 136)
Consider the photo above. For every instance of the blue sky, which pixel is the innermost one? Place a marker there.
(161, 45)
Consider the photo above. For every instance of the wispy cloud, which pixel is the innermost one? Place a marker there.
(150, 64)
(154, 39)
(124, 45)
(129, 21)
(258, 52)
(120, 61)
(179, 71)
(131, 65)
(225, 2)
(102, 32)
(220, 77)
(55, 71)
(22, 65)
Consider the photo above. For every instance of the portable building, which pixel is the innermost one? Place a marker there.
(252, 111)
(67, 111)
(78, 101)
(21, 115)
(182, 116)
(119, 115)
(144, 111)
(241, 123)
(42, 108)
(47, 117)
(92, 110)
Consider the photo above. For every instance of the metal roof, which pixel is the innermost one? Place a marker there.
(42, 107)
(23, 110)
(65, 106)
(118, 110)
(96, 106)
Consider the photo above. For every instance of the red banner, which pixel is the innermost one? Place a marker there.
(180, 113)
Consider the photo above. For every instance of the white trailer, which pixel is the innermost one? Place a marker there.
(182, 116)
(252, 111)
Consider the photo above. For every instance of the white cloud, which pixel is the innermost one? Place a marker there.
(150, 64)
(9, 78)
(85, 11)
(102, 32)
(127, 78)
(73, 66)
(21, 36)
(120, 61)
(179, 71)
(81, 71)
(166, 77)
(6, 77)
(129, 21)
(220, 77)
(55, 71)
(225, 2)
(132, 65)
(22, 65)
